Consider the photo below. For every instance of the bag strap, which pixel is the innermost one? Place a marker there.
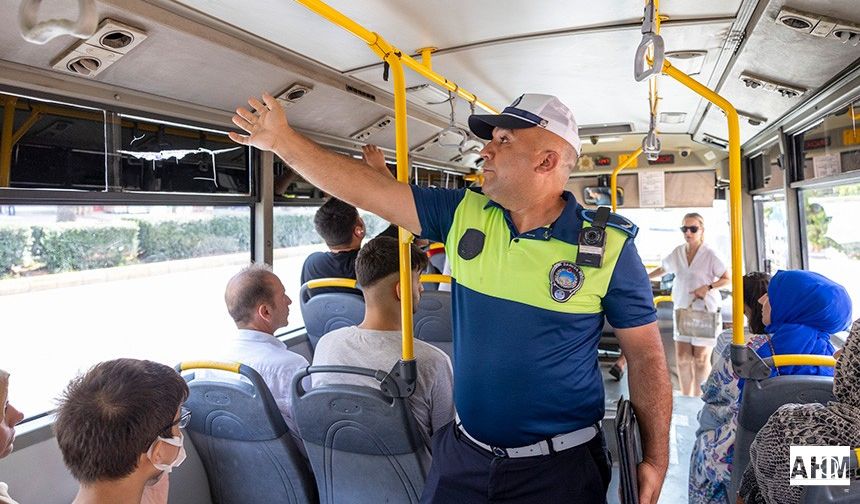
(772, 351)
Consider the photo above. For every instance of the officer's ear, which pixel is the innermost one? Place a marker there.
(397, 290)
(550, 161)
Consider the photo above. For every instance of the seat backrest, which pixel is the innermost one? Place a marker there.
(246, 447)
(831, 494)
(433, 321)
(760, 400)
(326, 312)
(363, 446)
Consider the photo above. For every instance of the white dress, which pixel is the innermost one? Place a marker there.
(706, 268)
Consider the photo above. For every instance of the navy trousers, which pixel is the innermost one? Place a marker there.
(464, 473)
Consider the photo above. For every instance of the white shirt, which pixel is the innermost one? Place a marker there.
(270, 358)
(706, 268)
(432, 403)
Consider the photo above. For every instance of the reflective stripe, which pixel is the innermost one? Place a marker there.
(525, 115)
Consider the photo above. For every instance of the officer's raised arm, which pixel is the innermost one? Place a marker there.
(342, 176)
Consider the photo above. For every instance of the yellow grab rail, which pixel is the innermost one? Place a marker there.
(734, 193)
(382, 48)
(801, 360)
(613, 179)
(232, 367)
(435, 278)
(332, 282)
(662, 299)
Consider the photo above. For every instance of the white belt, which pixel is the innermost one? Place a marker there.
(559, 443)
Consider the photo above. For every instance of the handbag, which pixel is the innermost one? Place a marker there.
(697, 323)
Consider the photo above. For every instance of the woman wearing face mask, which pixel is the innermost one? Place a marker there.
(118, 427)
(766, 479)
(699, 273)
(711, 458)
(9, 417)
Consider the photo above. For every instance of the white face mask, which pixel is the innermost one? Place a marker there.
(180, 457)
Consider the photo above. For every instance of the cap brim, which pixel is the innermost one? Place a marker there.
(482, 125)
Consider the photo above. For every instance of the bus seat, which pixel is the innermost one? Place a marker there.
(831, 494)
(246, 447)
(326, 312)
(760, 400)
(433, 321)
(364, 446)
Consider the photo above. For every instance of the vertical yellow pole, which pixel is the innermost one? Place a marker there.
(613, 179)
(405, 237)
(9, 103)
(734, 194)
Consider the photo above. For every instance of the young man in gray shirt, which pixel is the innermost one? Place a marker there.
(375, 343)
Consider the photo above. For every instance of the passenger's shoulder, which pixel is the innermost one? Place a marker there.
(431, 353)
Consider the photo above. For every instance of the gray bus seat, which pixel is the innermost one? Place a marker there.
(326, 312)
(246, 447)
(760, 400)
(364, 446)
(433, 321)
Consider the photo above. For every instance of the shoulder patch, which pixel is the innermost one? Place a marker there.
(615, 221)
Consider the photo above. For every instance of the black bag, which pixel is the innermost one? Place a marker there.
(627, 436)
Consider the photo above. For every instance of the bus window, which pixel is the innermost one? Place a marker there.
(773, 227)
(82, 284)
(832, 237)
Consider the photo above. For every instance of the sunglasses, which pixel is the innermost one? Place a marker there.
(691, 229)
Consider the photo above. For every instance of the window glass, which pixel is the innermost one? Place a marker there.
(171, 158)
(773, 238)
(832, 235)
(833, 147)
(57, 146)
(83, 284)
(659, 230)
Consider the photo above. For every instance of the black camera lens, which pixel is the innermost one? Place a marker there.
(592, 237)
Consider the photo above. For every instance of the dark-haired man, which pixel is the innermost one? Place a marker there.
(259, 305)
(343, 230)
(375, 343)
(118, 429)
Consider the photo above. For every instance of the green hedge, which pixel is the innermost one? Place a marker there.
(294, 230)
(69, 246)
(13, 242)
(165, 240)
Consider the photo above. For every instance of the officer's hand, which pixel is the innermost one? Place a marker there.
(650, 482)
(266, 123)
(701, 292)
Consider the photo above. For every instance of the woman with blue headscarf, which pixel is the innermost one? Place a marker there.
(801, 310)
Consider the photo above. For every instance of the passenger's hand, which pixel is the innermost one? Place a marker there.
(701, 292)
(374, 157)
(266, 123)
(650, 482)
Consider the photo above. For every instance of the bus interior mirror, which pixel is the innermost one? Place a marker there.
(601, 196)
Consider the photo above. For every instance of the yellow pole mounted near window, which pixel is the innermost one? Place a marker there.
(613, 179)
(396, 59)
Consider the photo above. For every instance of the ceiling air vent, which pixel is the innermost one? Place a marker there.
(797, 20)
(109, 43)
(847, 34)
(293, 94)
(587, 130)
(358, 92)
(784, 90)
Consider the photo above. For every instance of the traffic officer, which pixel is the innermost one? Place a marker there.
(534, 274)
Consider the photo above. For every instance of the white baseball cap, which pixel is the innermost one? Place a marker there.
(527, 111)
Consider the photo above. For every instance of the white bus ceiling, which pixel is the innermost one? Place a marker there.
(205, 57)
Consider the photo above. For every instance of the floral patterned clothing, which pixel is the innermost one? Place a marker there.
(711, 460)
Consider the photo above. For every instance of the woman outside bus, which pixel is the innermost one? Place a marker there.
(711, 459)
(699, 273)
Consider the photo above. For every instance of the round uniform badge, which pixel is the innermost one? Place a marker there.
(565, 280)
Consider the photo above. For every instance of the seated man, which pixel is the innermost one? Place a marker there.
(9, 417)
(257, 302)
(375, 343)
(118, 429)
(343, 230)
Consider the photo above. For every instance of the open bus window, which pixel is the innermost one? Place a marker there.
(770, 212)
(832, 237)
(601, 196)
(832, 147)
(112, 281)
